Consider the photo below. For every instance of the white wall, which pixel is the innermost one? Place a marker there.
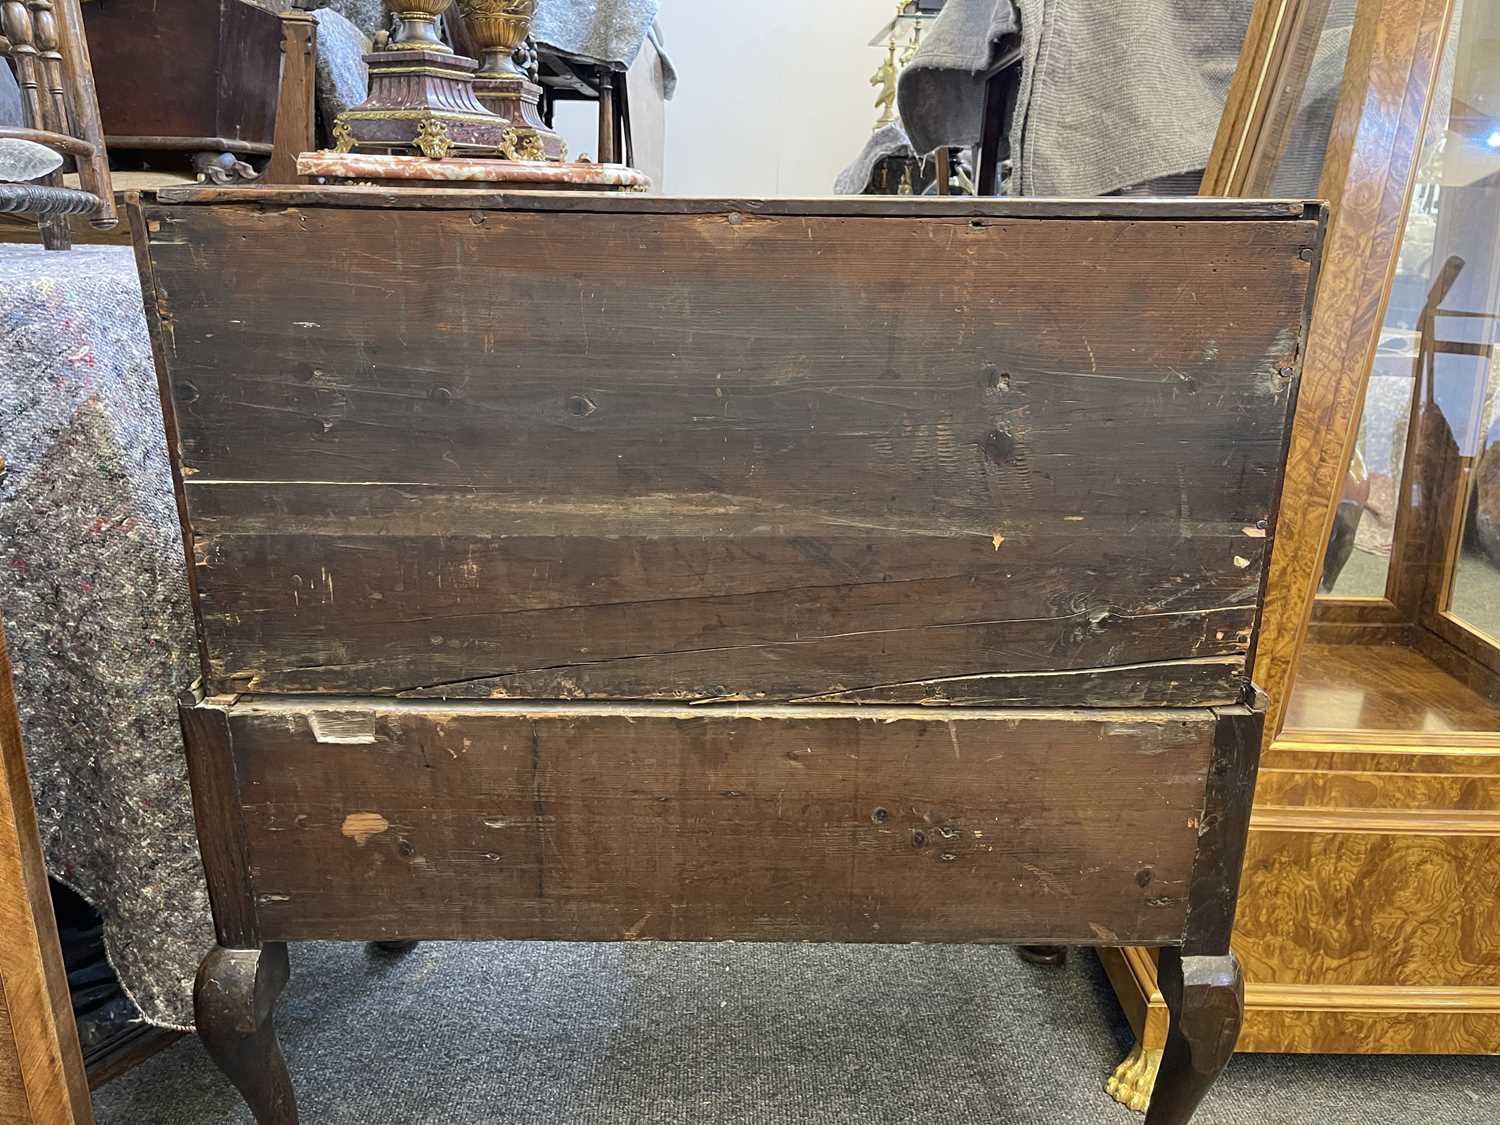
(773, 96)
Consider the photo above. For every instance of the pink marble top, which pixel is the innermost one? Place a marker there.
(332, 166)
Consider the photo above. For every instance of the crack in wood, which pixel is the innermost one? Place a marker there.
(1002, 677)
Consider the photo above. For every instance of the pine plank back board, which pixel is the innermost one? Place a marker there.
(611, 567)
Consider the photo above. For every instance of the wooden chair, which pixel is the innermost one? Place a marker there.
(45, 43)
(563, 80)
(999, 104)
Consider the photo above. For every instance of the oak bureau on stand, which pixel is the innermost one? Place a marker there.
(606, 567)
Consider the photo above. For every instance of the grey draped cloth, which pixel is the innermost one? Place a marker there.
(343, 79)
(94, 595)
(888, 140)
(1107, 96)
(605, 31)
(10, 98)
(610, 32)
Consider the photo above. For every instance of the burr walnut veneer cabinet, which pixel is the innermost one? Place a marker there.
(42, 1080)
(613, 567)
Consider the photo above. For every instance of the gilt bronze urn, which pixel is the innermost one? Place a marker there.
(417, 26)
(497, 28)
(422, 95)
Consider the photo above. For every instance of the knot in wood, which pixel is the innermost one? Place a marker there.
(997, 446)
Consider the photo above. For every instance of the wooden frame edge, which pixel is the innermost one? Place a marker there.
(33, 978)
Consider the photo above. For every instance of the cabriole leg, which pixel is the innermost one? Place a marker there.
(233, 1001)
(1206, 999)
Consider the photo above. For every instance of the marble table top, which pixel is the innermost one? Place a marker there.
(334, 167)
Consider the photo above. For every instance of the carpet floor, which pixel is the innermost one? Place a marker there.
(746, 1034)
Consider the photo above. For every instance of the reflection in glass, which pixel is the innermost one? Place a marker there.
(1474, 595)
(1358, 561)
(1465, 335)
(1416, 658)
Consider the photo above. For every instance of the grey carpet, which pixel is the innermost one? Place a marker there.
(749, 1035)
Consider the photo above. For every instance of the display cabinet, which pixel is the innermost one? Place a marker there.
(42, 1079)
(1369, 920)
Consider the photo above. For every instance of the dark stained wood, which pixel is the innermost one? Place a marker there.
(125, 1051)
(58, 142)
(154, 328)
(1167, 683)
(396, 820)
(190, 70)
(42, 42)
(608, 126)
(83, 113)
(233, 1003)
(396, 948)
(221, 833)
(1206, 998)
(194, 144)
(450, 199)
(603, 473)
(754, 582)
(1222, 827)
(247, 72)
(1047, 956)
(1000, 90)
(460, 615)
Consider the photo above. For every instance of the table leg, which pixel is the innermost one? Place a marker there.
(394, 948)
(1206, 999)
(1049, 955)
(233, 1001)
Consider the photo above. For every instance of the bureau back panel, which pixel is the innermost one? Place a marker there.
(601, 822)
(627, 453)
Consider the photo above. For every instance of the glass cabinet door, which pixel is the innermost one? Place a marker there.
(1405, 633)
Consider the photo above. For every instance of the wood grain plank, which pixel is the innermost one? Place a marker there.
(221, 837)
(1221, 829)
(352, 196)
(759, 615)
(1366, 1021)
(612, 821)
(691, 454)
(1395, 908)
